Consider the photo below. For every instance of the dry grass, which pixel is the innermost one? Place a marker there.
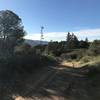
(22, 98)
(73, 64)
(93, 61)
(78, 64)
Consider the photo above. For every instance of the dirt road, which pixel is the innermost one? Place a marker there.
(56, 83)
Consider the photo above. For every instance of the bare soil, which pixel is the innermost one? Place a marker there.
(54, 83)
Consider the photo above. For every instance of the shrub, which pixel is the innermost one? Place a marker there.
(76, 54)
(94, 69)
(86, 59)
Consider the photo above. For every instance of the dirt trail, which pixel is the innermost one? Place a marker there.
(58, 83)
(73, 64)
(52, 84)
(41, 80)
(35, 85)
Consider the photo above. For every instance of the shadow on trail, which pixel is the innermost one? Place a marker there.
(50, 83)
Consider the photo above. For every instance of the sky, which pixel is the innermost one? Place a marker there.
(58, 17)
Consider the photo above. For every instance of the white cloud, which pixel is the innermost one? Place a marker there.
(58, 36)
(55, 36)
(90, 33)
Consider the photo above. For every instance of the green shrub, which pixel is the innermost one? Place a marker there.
(86, 59)
(76, 54)
(94, 69)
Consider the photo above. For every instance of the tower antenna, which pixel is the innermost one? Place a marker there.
(42, 36)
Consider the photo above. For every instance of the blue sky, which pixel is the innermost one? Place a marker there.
(57, 16)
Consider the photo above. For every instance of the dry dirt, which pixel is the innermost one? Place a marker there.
(55, 83)
(73, 64)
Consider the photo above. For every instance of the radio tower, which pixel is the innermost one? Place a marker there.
(42, 36)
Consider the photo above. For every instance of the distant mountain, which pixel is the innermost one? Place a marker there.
(35, 42)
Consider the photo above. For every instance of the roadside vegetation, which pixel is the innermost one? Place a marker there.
(15, 55)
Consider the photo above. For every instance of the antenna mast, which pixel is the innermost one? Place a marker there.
(42, 36)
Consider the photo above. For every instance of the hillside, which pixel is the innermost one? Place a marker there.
(35, 42)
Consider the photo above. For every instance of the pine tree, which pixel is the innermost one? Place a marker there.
(72, 41)
(86, 40)
(68, 39)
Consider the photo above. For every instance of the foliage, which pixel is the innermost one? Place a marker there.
(95, 44)
(84, 44)
(11, 30)
(72, 41)
(54, 48)
(23, 62)
(86, 59)
(76, 54)
(71, 44)
(93, 67)
(94, 48)
(39, 49)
